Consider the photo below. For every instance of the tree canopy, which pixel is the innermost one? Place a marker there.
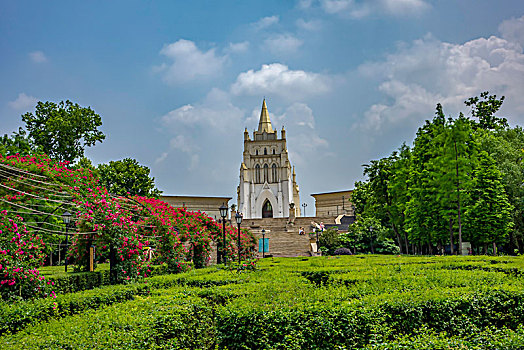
(127, 177)
(462, 180)
(63, 130)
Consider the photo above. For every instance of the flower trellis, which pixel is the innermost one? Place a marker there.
(35, 190)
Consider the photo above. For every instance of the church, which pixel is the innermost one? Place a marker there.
(268, 198)
(268, 187)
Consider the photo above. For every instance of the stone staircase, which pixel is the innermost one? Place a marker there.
(284, 240)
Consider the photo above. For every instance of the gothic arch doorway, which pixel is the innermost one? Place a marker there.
(267, 210)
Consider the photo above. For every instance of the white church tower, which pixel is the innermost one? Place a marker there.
(268, 187)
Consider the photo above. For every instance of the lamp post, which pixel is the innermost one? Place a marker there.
(238, 217)
(316, 232)
(223, 213)
(304, 205)
(66, 219)
(263, 243)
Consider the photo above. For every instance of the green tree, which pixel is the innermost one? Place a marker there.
(127, 176)
(63, 130)
(485, 110)
(506, 148)
(489, 213)
(17, 143)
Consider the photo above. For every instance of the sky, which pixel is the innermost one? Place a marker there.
(177, 82)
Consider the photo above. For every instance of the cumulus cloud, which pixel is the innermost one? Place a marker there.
(192, 123)
(428, 71)
(37, 56)
(216, 112)
(188, 62)
(23, 102)
(278, 79)
(303, 139)
(266, 22)
(360, 9)
(283, 44)
(513, 30)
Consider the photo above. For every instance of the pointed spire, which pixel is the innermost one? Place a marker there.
(264, 124)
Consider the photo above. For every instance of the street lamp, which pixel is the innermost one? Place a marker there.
(316, 232)
(263, 243)
(238, 217)
(304, 205)
(66, 219)
(223, 213)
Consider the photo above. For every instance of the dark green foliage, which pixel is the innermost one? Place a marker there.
(447, 188)
(17, 143)
(342, 251)
(127, 177)
(329, 240)
(349, 302)
(63, 130)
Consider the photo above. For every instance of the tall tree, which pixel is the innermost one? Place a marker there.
(63, 130)
(489, 211)
(127, 176)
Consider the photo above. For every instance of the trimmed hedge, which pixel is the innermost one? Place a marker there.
(16, 317)
(79, 281)
(177, 321)
(351, 302)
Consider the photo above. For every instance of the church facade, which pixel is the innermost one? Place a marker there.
(268, 187)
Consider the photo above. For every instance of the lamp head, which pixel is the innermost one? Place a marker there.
(238, 218)
(223, 211)
(66, 218)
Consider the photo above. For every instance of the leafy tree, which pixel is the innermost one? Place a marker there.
(17, 143)
(367, 235)
(489, 212)
(329, 240)
(127, 176)
(424, 223)
(63, 130)
(485, 110)
(506, 148)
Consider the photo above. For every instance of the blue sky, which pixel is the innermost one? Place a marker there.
(176, 82)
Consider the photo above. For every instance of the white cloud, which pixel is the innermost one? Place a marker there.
(513, 30)
(266, 22)
(189, 62)
(282, 44)
(191, 126)
(216, 113)
(312, 25)
(303, 139)
(428, 71)
(37, 56)
(304, 4)
(356, 9)
(238, 47)
(23, 102)
(278, 79)
(404, 7)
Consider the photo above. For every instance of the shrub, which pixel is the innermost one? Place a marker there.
(342, 251)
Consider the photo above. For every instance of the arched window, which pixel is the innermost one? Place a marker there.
(273, 151)
(274, 173)
(265, 151)
(266, 173)
(267, 209)
(257, 173)
(256, 152)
